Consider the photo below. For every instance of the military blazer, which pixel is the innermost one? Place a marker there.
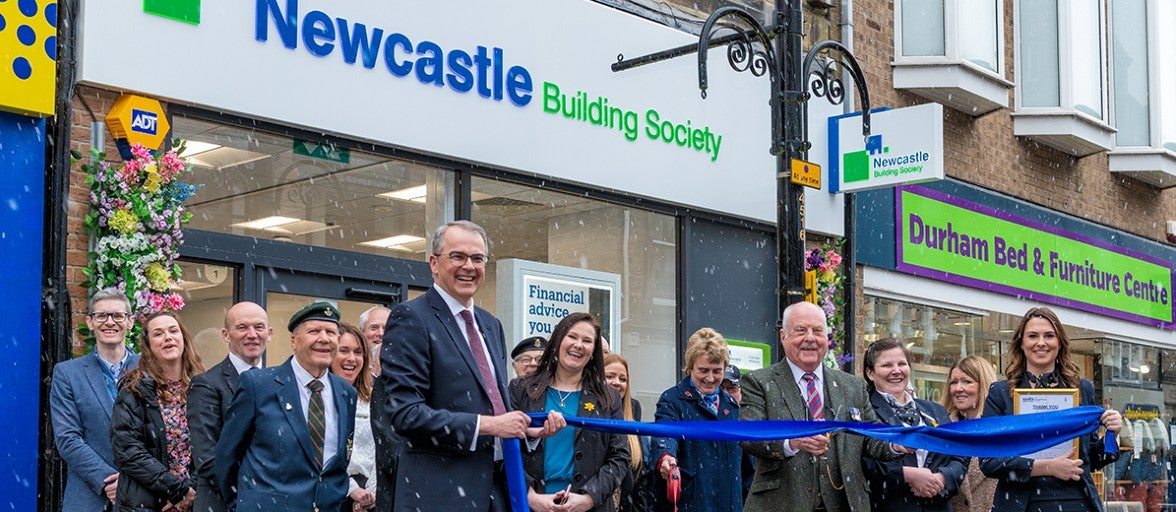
(789, 483)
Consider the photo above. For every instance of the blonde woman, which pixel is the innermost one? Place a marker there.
(967, 389)
(710, 470)
(633, 495)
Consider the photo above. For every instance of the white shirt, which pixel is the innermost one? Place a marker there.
(330, 414)
(240, 364)
(798, 378)
(456, 308)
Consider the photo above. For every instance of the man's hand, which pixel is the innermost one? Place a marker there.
(665, 465)
(551, 426)
(111, 488)
(816, 445)
(506, 425)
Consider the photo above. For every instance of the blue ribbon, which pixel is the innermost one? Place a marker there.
(516, 480)
(999, 436)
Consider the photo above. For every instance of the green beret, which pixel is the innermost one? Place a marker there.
(317, 311)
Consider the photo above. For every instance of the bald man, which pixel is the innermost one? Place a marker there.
(246, 331)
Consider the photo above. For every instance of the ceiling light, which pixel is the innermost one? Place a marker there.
(187, 286)
(195, 147)
(1144, 368)
(266, 223)
(961, 323)
(396, 243)
(415, 194)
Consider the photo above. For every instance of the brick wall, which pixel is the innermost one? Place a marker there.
(984, 152)
(77, 241)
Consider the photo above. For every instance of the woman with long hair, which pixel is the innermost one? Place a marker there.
(710, 470)
(967, 389)
(633, 495)
(149, 423)
(923, 481)
(1039, 357)
(351, 364)
(573, 470)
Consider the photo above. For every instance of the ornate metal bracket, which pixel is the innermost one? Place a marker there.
(829, 85)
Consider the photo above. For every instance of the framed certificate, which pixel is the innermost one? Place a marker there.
(1035, 400)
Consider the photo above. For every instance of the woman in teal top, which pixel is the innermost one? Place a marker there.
(578, 470)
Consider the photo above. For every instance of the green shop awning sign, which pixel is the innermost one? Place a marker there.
(950, 239)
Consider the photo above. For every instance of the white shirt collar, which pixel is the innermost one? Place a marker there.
(304, 377)
(240, 364)
(455, 307)
(798, 373)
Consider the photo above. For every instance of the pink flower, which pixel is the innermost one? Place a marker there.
(833, 258)
(140, 152)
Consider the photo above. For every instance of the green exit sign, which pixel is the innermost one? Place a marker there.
(322, 151)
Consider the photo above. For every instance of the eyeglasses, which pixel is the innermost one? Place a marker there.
(527, 360)
(459, 259)
(102, 317)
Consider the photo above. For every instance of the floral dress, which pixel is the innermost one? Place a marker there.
(175, 426)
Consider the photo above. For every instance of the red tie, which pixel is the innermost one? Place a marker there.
(814, 397)
(479, 352)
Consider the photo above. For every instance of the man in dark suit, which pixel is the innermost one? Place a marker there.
(81, 399)
(246, 331)
(815, 473)
(286, 440)
(444, 374)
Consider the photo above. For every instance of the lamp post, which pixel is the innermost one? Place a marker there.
(776, 51)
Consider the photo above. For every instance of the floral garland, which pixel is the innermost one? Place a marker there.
(136, 219)
(831, 298)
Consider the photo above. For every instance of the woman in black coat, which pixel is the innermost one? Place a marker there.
(1039, 357)
(149, 424)
(922, 481)
(575, 469)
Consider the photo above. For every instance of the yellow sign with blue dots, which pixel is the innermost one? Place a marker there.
(28, 56)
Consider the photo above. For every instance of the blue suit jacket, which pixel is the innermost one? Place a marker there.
(80, 407)
(712, 471)
(264, 459)
(434, 395)
(1014, 483)
(888, 487)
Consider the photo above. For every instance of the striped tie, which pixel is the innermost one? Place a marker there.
(812, 396)
(316, 421)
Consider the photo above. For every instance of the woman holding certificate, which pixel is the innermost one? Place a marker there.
(1039, 359)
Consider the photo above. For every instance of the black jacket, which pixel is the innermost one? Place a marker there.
(601, 458)
(209, 396)
(140, 444)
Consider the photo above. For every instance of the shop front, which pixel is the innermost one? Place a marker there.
(956, 268)
(330, 139)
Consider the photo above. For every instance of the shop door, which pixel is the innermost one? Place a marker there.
(284, 292)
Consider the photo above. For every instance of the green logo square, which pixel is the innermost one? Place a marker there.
(187, 11)
(855, 166)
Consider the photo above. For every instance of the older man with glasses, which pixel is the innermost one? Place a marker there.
(81, 399)
(525, 356)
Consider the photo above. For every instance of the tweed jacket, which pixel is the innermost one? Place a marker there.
(784, 483)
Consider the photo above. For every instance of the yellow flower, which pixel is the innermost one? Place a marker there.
(124, 221)
(154, 181)
(158, 278)
(589, 406)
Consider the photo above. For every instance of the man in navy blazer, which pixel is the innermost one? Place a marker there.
(269, 456)
(81, 399)
(444, 374)
(246, 331)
